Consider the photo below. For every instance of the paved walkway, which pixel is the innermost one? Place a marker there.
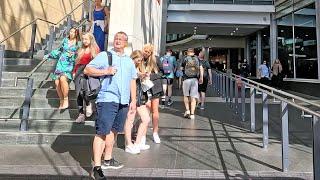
(216, 145)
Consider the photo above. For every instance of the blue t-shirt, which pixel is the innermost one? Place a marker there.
(173, 63)
(115, 88)
(265, 71)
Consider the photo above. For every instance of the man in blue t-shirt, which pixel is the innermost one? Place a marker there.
(168, 67)
(113, 102)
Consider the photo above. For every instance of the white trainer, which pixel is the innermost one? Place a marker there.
(89, 110)
(132, 149)
(156, 138)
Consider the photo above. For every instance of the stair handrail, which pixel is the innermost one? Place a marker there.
(40, 19)
(273, 90)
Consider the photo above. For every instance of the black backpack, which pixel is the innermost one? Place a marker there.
(90, 86)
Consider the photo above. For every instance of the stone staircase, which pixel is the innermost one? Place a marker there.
(46, 121)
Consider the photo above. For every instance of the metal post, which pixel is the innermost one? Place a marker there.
(223, 86)
(231, 92)
(33, 39)
(265, 120)
(51, 37)
(26, 106)
(68, 24)
(90, 9)
(316, 147)
(317, 4)
(243, 102)
(285, 136)
(252, 109)
(227, 87)
(258, 50)
(236, 96)
(2, 49)
(220, 84)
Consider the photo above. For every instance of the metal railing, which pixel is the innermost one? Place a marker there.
(233, 87)
(245, 2)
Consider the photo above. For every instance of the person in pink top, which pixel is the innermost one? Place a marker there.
(86, 53)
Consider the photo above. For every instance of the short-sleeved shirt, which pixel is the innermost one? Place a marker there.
(173, 63)
(206, 65)
(265, 71)
(115, 88)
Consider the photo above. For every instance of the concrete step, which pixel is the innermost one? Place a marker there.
(13, 68)
(39, 113)
(44, 126)
(16, 102)
(35, 76)
(37, 93)
(36, 84)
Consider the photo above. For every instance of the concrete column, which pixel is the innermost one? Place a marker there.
(141, 20)
(206, 53)
(247, 50)
(239, 55)
(318, 34)
(164, 8)
(258, 50)
(273, 39)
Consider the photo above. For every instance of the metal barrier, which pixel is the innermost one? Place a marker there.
(246, 2)
(240, 84)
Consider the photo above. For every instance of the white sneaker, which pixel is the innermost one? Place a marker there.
(132, 149)
(156, 138)
(192, 117)
(186, 114)
(143, 145)
(89, 110)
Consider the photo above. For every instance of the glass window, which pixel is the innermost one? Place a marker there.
(306, 43)
(285, 44)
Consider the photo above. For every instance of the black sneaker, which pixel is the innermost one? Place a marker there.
(97, 174)
(111, 164)
(170, 102)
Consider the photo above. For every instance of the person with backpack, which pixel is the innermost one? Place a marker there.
(168, 68)
(118, 87)
(192, 70)
(207, 79)
(86, 53)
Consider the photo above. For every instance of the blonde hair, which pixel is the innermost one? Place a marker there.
(92, 46)
(138, 54)
(151, 61)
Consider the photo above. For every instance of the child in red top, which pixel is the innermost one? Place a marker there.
(86, 53)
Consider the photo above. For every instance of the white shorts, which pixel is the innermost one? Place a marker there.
(190, 87)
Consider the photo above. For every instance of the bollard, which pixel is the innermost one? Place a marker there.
(265, 120)
(252, 109)
(285, 136)
(316, 147)
(51, 38)
(33, 39)
(2, 49)
(243, 102)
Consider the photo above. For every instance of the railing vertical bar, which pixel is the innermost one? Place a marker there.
(26, 106)
(252, 109)
(2, 50)
(236, 96)
(285, 136)
(243, 102)
(227, 88)
(33, 39)
(316, 147)
(231, 92)
(265, 119)
(51, 38)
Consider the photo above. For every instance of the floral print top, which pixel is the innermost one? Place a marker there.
(67, 56)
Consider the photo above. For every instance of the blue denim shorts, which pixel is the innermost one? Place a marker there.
(110, 116)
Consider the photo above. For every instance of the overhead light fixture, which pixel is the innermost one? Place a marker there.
(306, 35)
(231, 34)
(195, 27)
(234, 31)
(237, 29)
(264, 35)
(282, 31)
